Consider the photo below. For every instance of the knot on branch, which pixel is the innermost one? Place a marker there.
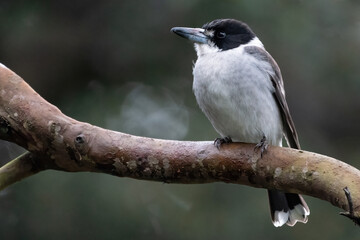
(80, 144)
(80, 139)
(81, 148)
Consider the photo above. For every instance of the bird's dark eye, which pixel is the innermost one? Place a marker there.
(220, 35)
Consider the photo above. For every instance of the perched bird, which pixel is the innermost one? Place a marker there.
(239, 87)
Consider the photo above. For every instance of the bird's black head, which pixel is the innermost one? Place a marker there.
(228, 33)
(224, 34)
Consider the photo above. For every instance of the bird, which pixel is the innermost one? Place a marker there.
(239, 87)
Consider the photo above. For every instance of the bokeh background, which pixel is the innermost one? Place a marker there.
(116, 64)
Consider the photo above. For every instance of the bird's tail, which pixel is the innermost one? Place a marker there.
(287, 208)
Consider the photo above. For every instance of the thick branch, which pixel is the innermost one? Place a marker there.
(62, 143)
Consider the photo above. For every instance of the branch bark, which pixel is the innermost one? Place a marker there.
(56, 141)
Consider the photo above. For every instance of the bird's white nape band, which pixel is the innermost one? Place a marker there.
(280, 218)
(2, 65)
(255, 42)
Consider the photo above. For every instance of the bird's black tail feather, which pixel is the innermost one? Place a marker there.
(288, 208)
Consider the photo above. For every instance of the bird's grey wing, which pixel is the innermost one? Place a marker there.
(279, 94)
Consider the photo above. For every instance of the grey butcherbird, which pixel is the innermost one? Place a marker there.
(238, 85)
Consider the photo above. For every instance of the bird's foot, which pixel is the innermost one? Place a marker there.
(262, 145)
(219, 141)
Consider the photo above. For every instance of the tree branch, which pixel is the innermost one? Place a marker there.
(21, 167)
(56, 141)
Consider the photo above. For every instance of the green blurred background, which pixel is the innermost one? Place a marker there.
(115, 64)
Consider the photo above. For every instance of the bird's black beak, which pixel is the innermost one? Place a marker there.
(195, 35)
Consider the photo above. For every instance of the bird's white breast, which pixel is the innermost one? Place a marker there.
(236, 94)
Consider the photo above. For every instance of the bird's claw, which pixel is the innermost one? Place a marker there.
(262, 145)
(219, 141)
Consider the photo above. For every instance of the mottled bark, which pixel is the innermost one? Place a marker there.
(56, 141)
